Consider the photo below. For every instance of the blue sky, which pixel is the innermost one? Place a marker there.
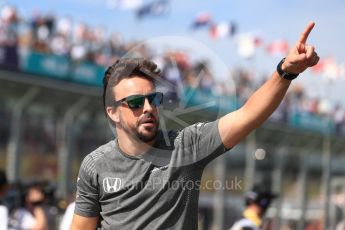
(274, 18)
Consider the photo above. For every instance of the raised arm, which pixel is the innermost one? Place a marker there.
(234, 126)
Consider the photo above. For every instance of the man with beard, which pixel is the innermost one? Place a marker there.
(150, 179)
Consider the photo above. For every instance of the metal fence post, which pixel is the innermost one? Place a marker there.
(278, 185)
(66, 141)
(16, 129)
(220, 201)
(250, 146)
(326, 177)
(303, 178)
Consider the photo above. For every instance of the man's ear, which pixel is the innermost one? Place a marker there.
(113, 114)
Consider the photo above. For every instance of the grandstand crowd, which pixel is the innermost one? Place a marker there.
(76, 41)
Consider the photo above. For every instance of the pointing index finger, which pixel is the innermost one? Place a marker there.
(304, 36)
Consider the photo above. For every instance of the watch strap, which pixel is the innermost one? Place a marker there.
(283, 74)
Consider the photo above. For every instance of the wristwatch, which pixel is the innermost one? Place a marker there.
(283, 74)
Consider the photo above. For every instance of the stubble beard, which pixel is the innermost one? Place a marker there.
(135, 133)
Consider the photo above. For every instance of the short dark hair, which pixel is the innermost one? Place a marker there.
(127, 68)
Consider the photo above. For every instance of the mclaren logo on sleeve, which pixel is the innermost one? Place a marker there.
(111, 184)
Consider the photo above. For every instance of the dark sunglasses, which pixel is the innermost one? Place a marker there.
(138, 101)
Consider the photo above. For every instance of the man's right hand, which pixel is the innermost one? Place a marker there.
(302, 55)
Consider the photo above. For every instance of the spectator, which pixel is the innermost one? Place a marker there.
(32, 216)
(206, 82)
(3, 208)
(41, 32)
(67, 217)
(340, 225)
(8, 38)
(257, 202)
(339, 118)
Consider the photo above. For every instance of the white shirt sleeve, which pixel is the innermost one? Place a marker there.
(67, 217)
(3, 217)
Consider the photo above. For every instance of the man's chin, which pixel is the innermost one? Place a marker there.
(147, 137)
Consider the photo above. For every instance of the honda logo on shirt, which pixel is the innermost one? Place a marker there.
(111, 184)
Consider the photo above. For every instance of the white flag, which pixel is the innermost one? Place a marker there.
(124, 4)
(245, 45)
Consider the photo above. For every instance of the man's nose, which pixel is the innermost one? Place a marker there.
(147, 106)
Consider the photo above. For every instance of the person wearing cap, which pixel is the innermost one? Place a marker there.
(147, 178)
(257, 201)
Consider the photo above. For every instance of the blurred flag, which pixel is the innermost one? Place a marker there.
(247, 44)
(278, 47)
(222, 29)
(320, 66)
(334, 71)
(202, 19)
(156, 8)
(124, 4)
(329, 68)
